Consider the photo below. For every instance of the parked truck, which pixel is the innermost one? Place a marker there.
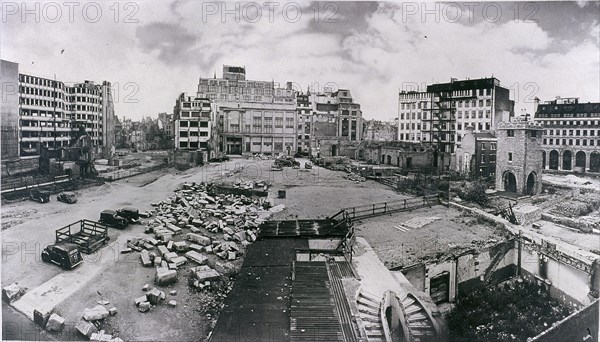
(87, 235)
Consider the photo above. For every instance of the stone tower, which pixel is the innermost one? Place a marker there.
(519, 157)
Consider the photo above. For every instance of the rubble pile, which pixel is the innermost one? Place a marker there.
(257, 184)
(208, 232)
(259, 156)
(355, 177)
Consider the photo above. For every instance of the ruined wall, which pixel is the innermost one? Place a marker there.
(580, 326)
(19, 166)
(568, 284)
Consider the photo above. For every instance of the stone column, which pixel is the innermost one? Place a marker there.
(587, 161)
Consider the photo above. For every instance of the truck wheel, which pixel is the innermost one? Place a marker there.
(45, 258)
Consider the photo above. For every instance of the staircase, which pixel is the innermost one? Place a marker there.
(368, 308)
(419, 324)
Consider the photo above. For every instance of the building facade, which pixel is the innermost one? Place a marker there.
(53, 115)
(193, 120)
(519, 157)
(441, 115)
(251, 127)
(572, 134)
(476, 156)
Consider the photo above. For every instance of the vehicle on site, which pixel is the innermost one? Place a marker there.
(65, 255)
(308, 165)
(67, 197)
(131, 214)
(112, 219)
(87, 235)
(41, 196)
(286, 161)
(276, 167)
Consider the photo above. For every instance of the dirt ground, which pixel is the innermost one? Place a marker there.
(399, 241)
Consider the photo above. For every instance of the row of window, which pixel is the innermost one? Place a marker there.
(454, 104)
(578, 142)
(185, 123)
(577, 132)
(185, 134)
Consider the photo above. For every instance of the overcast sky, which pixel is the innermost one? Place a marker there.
(152, 51)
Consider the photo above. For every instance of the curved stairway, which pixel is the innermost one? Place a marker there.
(419, 323)
(368, 308)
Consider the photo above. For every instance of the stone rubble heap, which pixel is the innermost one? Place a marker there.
(355, 177)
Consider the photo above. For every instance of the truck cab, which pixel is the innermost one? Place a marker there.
(65, 255)
(112, 219)
(131, 214)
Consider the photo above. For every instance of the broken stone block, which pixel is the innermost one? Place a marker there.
(155, 296)
(176, 230)
(170, 245)
(165, 276)
(230, 255)
(228, 231)
(86, 328)
(101, 337)
(55, 323)
(145, 256)
(144, 307)
(157, 261)
(12, 292)
(222, 254)
(162, 250)
(173, 303)
(226, 237)
(138, 300)
(180, 246)
(195, 230)
(203, 273)
(208, 249)
(173, 266)
(95, 313)
(239, 236)
(196, 257)
(126, 250)
(202, 240)
(197, 222)
(196, 247)
(179, 261)
(112, 311)
(164, 264)
(170, 256)
(173, 292)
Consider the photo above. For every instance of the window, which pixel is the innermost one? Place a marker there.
(509, 156)
(510, 133)
(533, 134)
(493, 146)
(483, 158)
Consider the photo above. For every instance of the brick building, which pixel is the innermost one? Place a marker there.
(519, 157)
(572, 134)
(476, 157)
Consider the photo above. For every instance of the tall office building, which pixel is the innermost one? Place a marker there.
(572, 134)
(441, 115)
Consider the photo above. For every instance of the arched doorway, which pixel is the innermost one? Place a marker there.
(595, 162)
(334, 150)
(531, 180)
(510, 182)
(361, 154)
(566, 160)
(580, 159)
(543, 159)
(553, 160)
(383, 159)
(389, 160)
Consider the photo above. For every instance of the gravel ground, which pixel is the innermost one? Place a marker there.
(402, 246)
